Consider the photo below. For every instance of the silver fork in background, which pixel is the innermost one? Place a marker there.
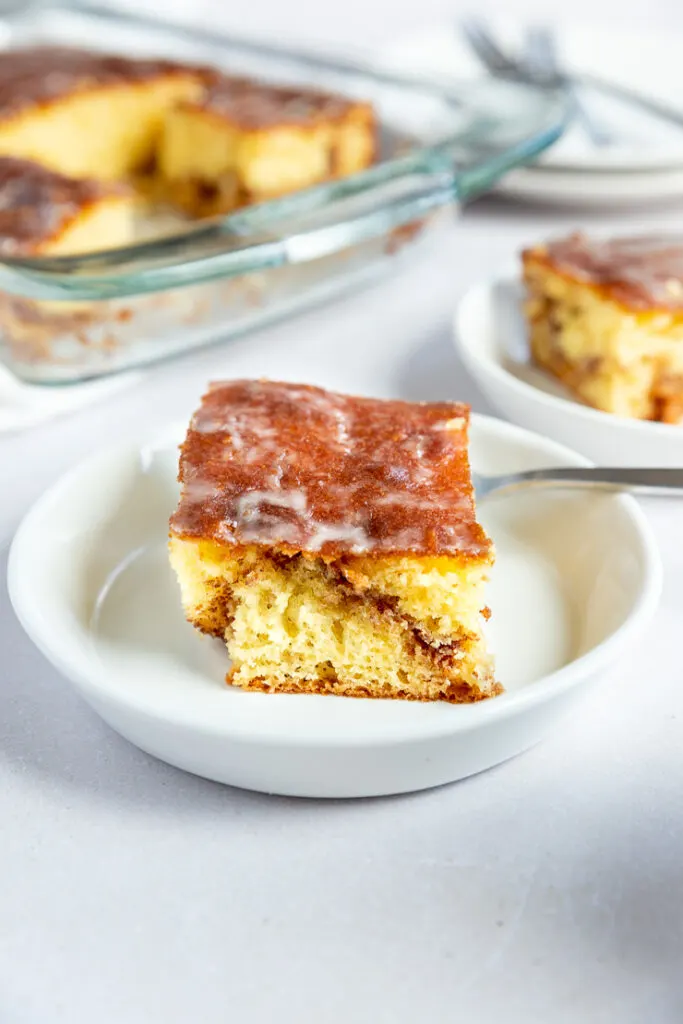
(655, 482)
(540, 55)
(540, 66)
(498, 63)
(480, 39)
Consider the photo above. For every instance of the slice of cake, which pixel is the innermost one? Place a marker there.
(244, 141)
(606, 318)
(332, 543)
(45, 213)
(87, 114)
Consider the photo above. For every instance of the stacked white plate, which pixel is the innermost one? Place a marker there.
(643, 162)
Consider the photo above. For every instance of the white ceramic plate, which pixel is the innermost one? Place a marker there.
(577, 578)
(587, 189)
(491, 338)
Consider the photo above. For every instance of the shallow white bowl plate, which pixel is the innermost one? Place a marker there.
(491, 338)
(577, 578)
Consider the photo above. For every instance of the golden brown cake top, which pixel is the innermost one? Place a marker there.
(254, 105)
(302, 469)
(42, 74)
(640, 272)
(36, 204)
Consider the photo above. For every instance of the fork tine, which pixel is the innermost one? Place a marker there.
(541, 51)
(490, 46)
(482, 41)
(544, 62)
(537, 58)
(471, 31)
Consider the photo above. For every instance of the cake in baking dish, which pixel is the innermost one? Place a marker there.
(219, 141)
(332, 543)
(46, 213)
(243, 141)
(606, 318)
(94, 147)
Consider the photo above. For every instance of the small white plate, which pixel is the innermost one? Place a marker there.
(577, 578)
(491, 338)
(587, 189)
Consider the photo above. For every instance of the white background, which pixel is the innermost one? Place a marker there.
(547, 890)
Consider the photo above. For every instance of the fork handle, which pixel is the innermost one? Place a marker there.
(640, 481)
(657, 108)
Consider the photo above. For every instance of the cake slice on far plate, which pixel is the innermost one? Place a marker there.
(332, 543)
(606, 318)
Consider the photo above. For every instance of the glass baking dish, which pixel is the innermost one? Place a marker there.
(72, 318)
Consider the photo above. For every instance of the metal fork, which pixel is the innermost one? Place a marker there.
(655, 482)
(543, 62)
(539, 66)
(498, 63)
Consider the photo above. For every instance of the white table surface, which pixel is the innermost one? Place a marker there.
(548, 889)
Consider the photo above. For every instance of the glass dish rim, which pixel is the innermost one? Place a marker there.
(251, 241)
